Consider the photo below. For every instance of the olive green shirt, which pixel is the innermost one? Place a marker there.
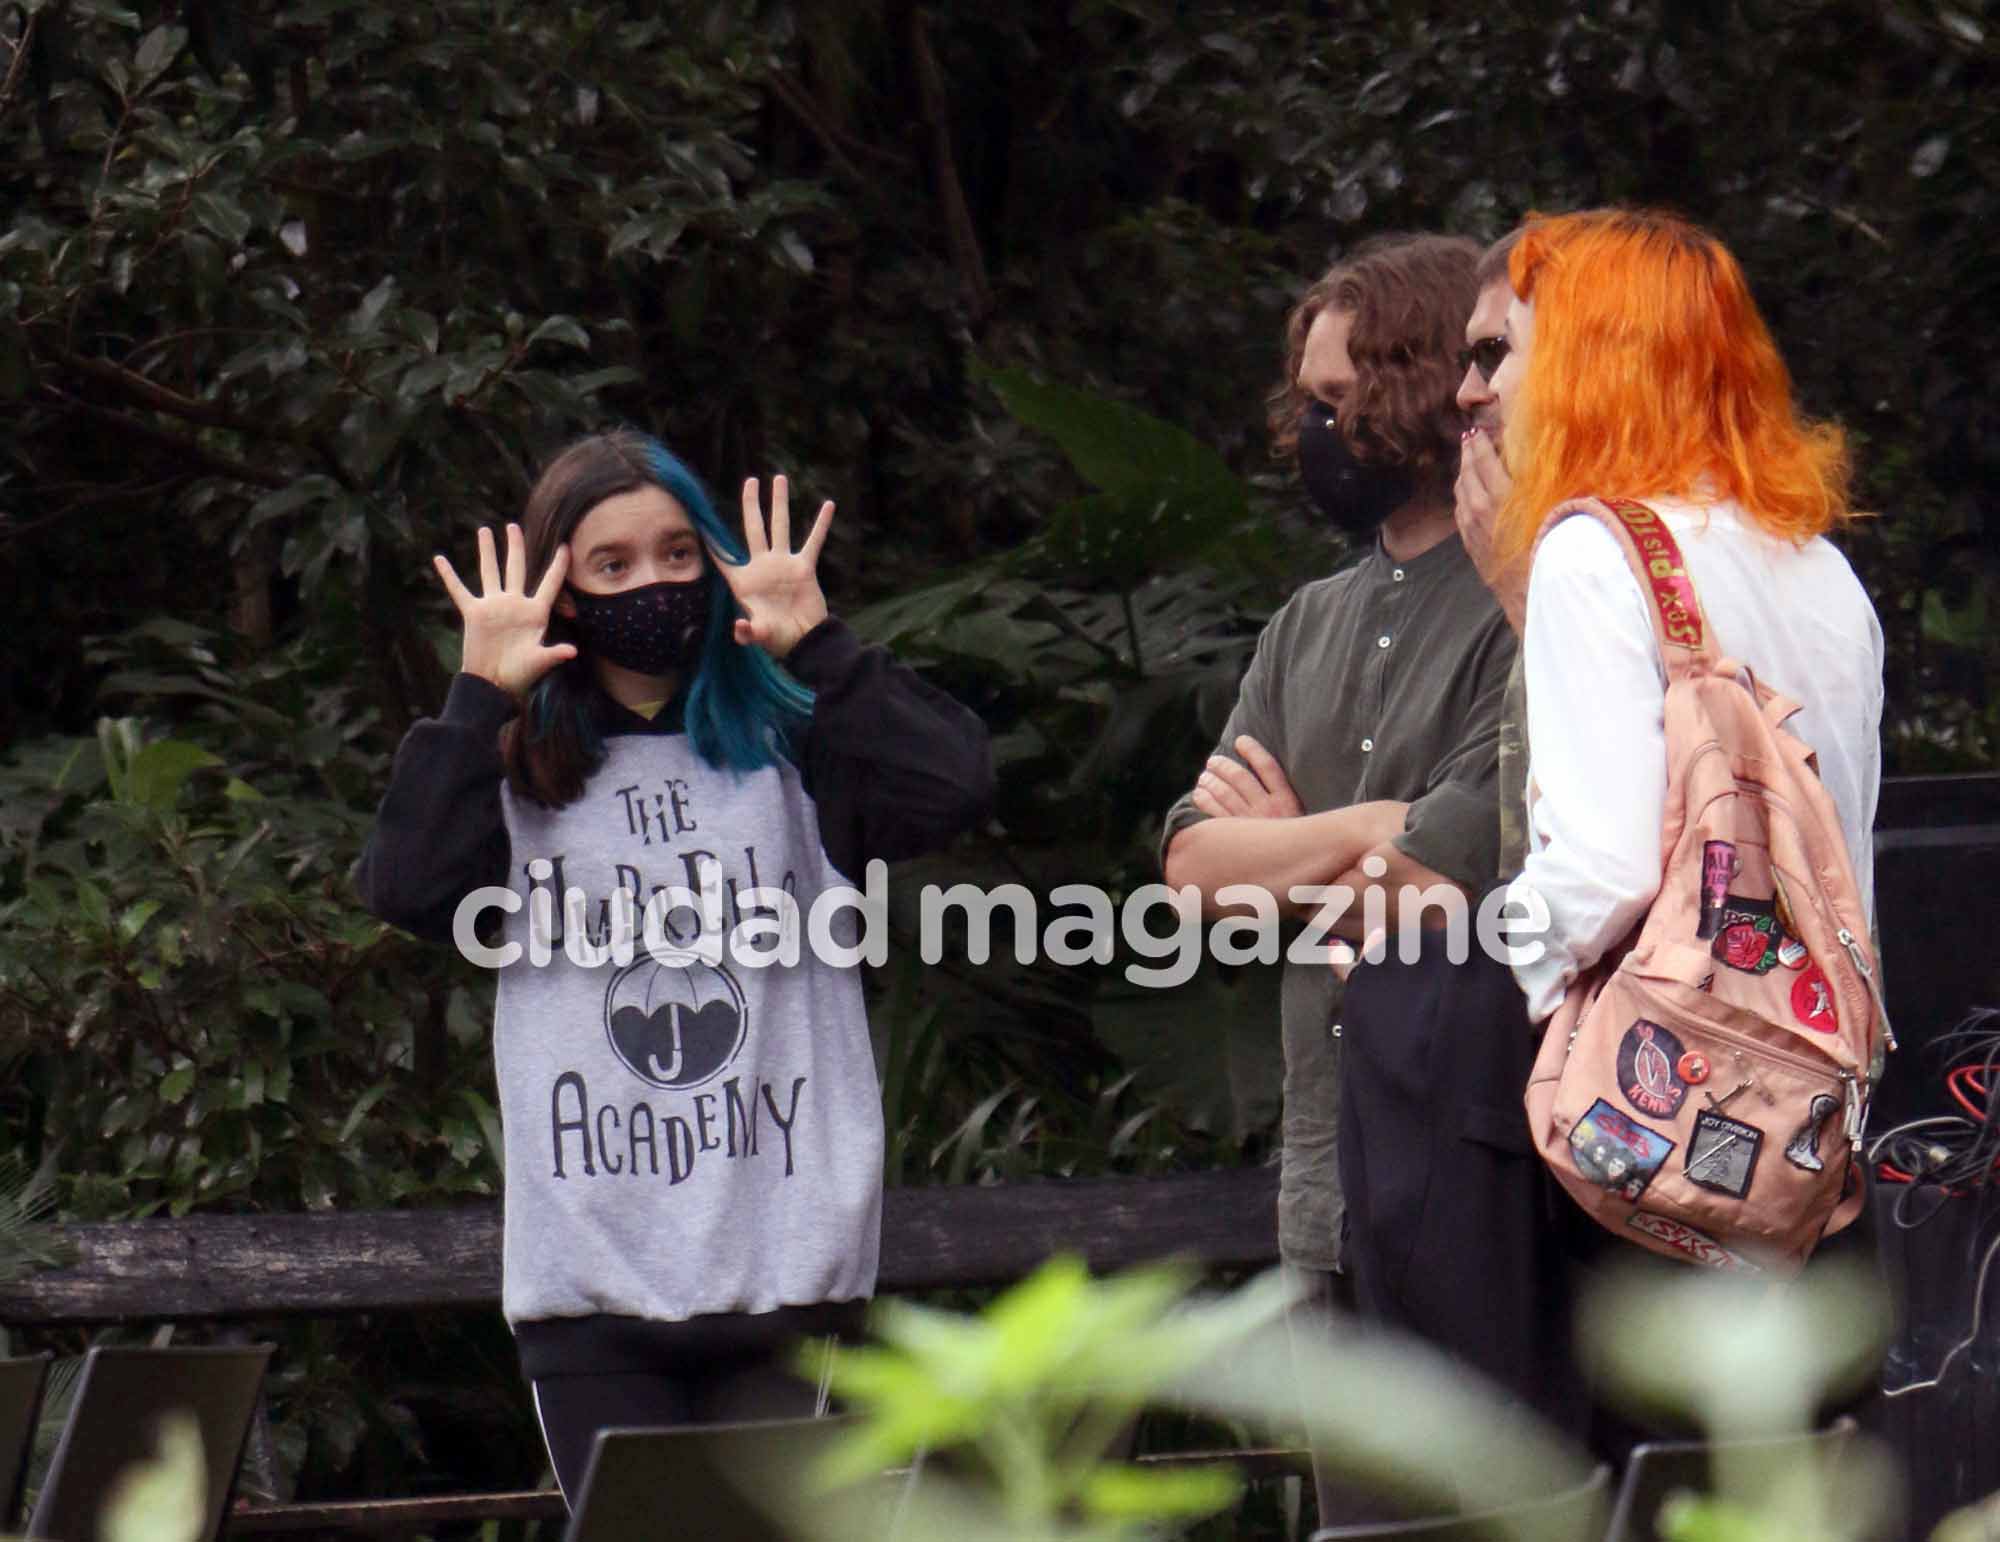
(1383, 681)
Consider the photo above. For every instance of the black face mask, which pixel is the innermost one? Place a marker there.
(1356, 495)
(653, 630)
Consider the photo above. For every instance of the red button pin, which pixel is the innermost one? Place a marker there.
(1812, 1001)
(1693, 1068)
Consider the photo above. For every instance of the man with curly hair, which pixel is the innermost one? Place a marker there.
(1360, 754)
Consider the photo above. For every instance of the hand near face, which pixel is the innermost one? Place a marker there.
(1482, 486)
(1256, 790)
(778, 587)
(504, 623)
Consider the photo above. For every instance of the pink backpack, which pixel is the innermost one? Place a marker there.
(1702, 1091)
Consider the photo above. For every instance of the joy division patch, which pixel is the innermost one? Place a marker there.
(1699, 1246)
(1747, 935)
(1649, 1057)
(1616, 1153)
(1722, 1153)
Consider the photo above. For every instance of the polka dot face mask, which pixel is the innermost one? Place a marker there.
(653, 630)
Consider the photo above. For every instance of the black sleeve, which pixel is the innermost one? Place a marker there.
(439, 833)
(894, 765)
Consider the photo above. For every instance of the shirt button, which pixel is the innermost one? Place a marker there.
(1382, 641)
(1367, 746)
(1397, 575)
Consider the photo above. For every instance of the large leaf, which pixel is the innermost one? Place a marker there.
(1162, 496)
(156, 774)
(1210, 1048)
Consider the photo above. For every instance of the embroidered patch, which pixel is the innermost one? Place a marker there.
(1693, 1067)
(1646, 1070)
(1699, 1246)
(1812, 1001)
(1802, 1150)
(1666, 572)
(1719, 867)
(1747, 935)
(1722, 1153)
(1617, 1153)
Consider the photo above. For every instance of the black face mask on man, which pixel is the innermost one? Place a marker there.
(652, 630)
(1356, 495)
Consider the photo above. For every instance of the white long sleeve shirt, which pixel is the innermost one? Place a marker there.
(1596, 688)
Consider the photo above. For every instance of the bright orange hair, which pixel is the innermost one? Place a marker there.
(1650, 373)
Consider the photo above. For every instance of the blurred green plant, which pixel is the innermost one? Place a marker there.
(1752, 1366)
(163, 1499)
(1033, 1395)
(1022, 1404)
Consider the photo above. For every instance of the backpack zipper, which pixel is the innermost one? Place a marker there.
(1845, 937)
(1868, 976)
(1854, 1101)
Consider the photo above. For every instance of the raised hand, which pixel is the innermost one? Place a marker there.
(1482, 486)
(778, 587)
(504, 623)
(1260, 790)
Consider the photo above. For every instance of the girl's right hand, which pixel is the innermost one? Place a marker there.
(504, 624)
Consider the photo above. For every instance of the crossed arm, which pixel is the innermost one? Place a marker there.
(1258, 834)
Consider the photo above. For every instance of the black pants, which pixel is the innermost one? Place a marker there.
(1455, 1231)
(591, 1374)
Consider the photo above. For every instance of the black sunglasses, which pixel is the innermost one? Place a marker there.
(1484, 356)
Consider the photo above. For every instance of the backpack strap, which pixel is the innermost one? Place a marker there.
(1679, 624)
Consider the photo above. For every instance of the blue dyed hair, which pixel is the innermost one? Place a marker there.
(743, 711)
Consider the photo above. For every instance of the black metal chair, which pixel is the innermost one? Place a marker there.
(122, 1395)
(691, 1481)
(1573, 1515)
(21, 1384)
(1659, 1468)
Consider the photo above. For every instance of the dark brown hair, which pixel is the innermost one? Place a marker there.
(1409, 296)
(552, 746)
(1492, 265)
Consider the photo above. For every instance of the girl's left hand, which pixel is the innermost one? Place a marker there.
(778, 587)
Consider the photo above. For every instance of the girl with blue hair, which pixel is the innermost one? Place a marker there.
(656, 716)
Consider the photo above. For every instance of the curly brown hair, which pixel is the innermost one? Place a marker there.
(1410, 296)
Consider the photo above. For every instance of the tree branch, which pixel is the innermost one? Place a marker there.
(959, 234)
(208, 460)
(23, 46)
(145, 392)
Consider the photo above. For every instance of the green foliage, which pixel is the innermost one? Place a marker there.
(26, 1200)
(196, 1011)
(1034, 1393)
(1817, 1342)
(294, 293)
(163, 1500)
(1975, 1523)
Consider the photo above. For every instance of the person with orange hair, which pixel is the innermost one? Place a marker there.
(1638, 367)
